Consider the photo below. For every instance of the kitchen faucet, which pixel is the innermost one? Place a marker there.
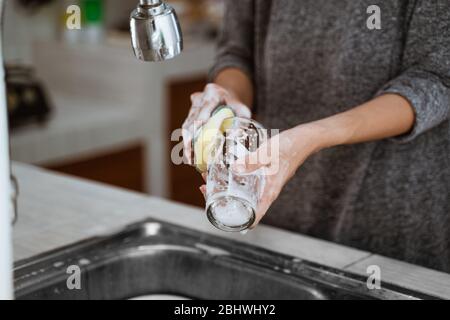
(155, 36)
(155, 31)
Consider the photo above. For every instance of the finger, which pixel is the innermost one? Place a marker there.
(204, 176)
(244, 112)
(188, 133)
(187, 153)
(267, 156)
(240, 110)
(262, 210)
(252, 162)
(194, 113)
(189, 127)
(211, 99)
(203, 191)
(187, 144)
(263, 206)
(192, 117)
(196, 104)
(246, 167)
(196, 99)
(267, 195)
(207, 109)
(212, 89)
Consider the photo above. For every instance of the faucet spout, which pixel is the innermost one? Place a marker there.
(155, 31)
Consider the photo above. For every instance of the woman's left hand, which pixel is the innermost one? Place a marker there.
(280, 158)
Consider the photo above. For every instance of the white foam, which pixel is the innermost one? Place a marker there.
(232, 214)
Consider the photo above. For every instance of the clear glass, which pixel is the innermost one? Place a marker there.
(232, 198)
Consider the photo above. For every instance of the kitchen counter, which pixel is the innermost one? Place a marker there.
(57, 210)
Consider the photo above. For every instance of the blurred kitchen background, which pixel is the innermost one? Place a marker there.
(81, 104)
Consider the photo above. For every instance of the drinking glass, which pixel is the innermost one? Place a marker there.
(232, 198)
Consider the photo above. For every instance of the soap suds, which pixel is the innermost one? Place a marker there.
(232, 214)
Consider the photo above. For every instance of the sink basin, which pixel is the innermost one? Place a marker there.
(153, 259)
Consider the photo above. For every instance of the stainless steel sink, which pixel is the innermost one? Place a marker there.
(152, 258)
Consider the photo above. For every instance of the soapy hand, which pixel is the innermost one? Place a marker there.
(279, 159)
(203, 104)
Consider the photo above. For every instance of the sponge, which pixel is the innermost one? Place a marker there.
(217, 125)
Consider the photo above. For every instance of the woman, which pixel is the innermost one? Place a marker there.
(365, 114)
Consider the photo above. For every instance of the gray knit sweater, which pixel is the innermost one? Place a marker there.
(310, 59)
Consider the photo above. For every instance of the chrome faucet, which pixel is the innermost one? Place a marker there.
(155, 31)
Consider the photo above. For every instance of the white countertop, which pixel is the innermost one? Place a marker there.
(56, 210)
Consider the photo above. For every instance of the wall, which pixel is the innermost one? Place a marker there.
(21, 28)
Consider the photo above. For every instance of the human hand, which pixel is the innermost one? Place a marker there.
(279, 159)
(203, 104)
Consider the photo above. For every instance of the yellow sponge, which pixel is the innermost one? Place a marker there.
(219, 122)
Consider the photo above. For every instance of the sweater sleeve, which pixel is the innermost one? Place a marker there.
(235, 46)
(425, 77)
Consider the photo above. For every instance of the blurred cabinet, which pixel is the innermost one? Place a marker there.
(184, 181)
(124, 167)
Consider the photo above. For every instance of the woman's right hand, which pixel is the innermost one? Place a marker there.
(203, 104)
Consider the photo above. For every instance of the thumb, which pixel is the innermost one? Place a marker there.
(248, 164)
(240, 109)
